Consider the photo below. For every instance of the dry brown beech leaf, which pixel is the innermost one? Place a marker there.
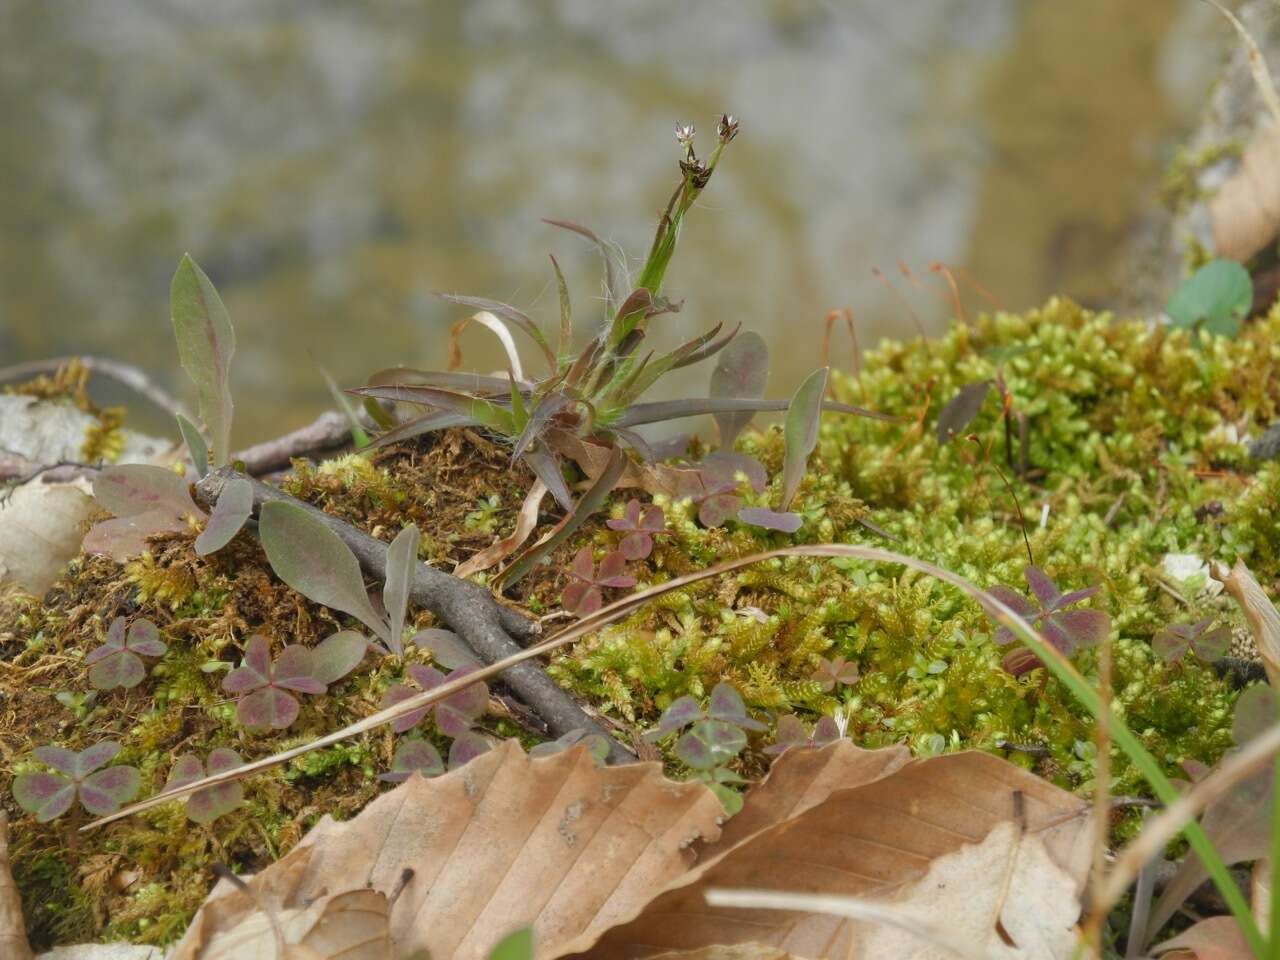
(868, 841)
(1218, 938)
(495, 845)
(741, 951)
(1245, 211)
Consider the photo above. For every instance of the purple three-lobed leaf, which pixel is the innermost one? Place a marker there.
(266, 701)
(208, 804)
(1065, 629)
(1178, 639)
(454, 715)
(584, 595)
(118, 661)
(413, 755)
(641, 525)
(101, 791)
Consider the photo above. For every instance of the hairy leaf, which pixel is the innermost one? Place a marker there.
(313, 560)
(229, 516)
(402, 563)
(206, 343)
(616, 278)
(800, 431)
(741, 371)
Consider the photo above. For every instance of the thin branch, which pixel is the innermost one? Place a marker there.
(469, 609)
(324, 434)
(124, 373)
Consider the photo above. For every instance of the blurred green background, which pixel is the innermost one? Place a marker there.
(330, 164)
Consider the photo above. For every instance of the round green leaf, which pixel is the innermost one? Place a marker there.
(1215, 298)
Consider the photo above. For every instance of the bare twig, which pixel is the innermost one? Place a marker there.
(469, 610)
(325, 433)
(125, 373)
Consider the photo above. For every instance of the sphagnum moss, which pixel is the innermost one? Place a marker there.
(1133, 454)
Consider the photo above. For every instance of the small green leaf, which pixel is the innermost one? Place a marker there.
(313, 560)
(800, 431)
(196, 446)
(206, 343)
(514, 946)
(1216, 298)
(402, 560)
(230, 513)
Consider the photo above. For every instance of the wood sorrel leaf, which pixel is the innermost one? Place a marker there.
(413, 756)
(402, 559)
(742, 370)
(104, 792)
(230, 513)
(313, 560)
(961, 409)
(47, 795)
(800, 431)
(206, 343)
(1215, 298)
(196, 446)
(269, 708)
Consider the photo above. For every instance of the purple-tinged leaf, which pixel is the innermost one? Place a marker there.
(612, 571)
(597, 746)
(446, 648)
(789, 732)
(742, 370)
(583, 565)
(188, 768)
(615, 262)
(726, 704)
(826, 731)
(61, 759)
(144, 639)
(1084, 628)
(1020, 661)
(135, 489)
(206, 343)
(413, 756)
(229, 515)
(267, 709)
(402, 562)
(771, 519)
(466, 748)
(91, 758)
(470, 701)
(710, 743)
(428, 678)
(222, 759)
(396, 693)
(671, 447)
(961, 409)
(630, 519)
(294, 670)
(125, 537)
(720, 470)
(546, 467)
(680, 713)
(254, 671)
(312, 559)
(835, 672)
(715, 510)
(120, 669)
(1044, 589)
(104, 792)
(636, 546)
(1077, 596)
(1257, 710)
(337, 655)
(47, 795)
(582, 599)
(207, 805)
(800, 431)
(1212, 646)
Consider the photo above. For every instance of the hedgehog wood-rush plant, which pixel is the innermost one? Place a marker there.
(593, 394)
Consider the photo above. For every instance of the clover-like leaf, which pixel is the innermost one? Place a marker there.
(710, 743)
(229, 515)
(453, 715)
(117, 663)
(726, 704)
(597, 745)
(1177, 639)
(1066, 630)
(266, 702)
(312, 559)
(584, 596)
(47, 795)
(413, 755)
(641, 525)
(1217, 297)
(682, 712)
(206, 343)
(466, 747)
(205, 806)
(101, 792)
(835, 672)
(800, 431)
(961, 409)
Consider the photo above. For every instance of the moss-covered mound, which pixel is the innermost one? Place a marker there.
(1132, 452)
